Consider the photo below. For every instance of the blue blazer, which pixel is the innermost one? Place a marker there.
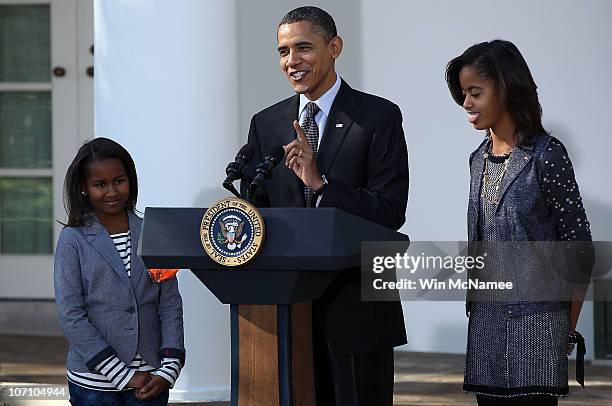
(539, 202)
(104, 312)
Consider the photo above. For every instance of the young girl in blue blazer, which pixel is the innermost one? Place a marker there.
(125, 331)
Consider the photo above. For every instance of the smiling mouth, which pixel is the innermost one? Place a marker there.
(298, 74)
(473, 116)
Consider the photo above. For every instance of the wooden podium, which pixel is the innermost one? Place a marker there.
(270, 298)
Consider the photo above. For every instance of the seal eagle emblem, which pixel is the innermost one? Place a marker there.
(232, 232)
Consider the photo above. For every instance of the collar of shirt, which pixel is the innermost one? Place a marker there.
(324, 102)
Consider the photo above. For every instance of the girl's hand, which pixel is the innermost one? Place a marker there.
(139, 380)
(153, 388)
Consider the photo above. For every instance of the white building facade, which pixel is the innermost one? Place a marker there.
(177, 82)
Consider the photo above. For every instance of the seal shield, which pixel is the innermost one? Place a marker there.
(232, 232)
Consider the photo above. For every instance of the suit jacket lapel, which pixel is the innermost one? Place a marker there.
(285, 136)
(476, 172)
(334, 136)
(286, 131)
(99, 238)
(519, 158)
(137, 267)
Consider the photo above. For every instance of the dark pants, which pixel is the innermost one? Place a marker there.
(350, 380)
(80, 396)
(531, 400)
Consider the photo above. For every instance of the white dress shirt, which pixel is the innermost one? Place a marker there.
(324, 102)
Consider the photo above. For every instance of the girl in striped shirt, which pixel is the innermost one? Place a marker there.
(125, 331)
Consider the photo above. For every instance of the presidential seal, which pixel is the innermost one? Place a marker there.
(232, 232)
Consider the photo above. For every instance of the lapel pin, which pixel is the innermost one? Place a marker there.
(339, 125)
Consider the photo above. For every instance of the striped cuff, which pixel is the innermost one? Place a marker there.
(173, 353)
(99, 358)
(115, 371)
(170, 370)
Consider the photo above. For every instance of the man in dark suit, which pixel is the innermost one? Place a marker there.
(344, 149)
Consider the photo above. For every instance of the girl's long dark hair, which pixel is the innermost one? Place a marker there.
(502, 63)
(77, 206)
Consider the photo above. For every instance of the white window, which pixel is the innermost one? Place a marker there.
(46, 111)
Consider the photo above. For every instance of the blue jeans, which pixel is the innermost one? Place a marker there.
(80, 396)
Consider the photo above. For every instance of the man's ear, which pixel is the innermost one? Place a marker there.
(336, 46)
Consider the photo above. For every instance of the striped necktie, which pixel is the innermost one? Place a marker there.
(310, 128)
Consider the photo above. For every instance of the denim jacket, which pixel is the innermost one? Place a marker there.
(539, 201)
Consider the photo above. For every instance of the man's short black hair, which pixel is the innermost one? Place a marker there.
(320, 19)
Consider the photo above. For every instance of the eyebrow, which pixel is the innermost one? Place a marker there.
(297, 45)
(104, 180)
(472, 88)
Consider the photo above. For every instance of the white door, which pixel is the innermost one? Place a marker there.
(46, 111)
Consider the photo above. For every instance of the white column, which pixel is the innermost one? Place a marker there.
(166, 87)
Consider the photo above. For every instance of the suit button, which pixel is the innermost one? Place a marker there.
(130, 310)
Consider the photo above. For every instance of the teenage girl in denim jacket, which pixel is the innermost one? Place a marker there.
(522, 189)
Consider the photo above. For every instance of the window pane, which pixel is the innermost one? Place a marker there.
(26, 219)
(25, 129)
(25, 54)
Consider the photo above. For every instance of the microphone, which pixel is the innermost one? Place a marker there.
(235, 170)
(263, 170)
